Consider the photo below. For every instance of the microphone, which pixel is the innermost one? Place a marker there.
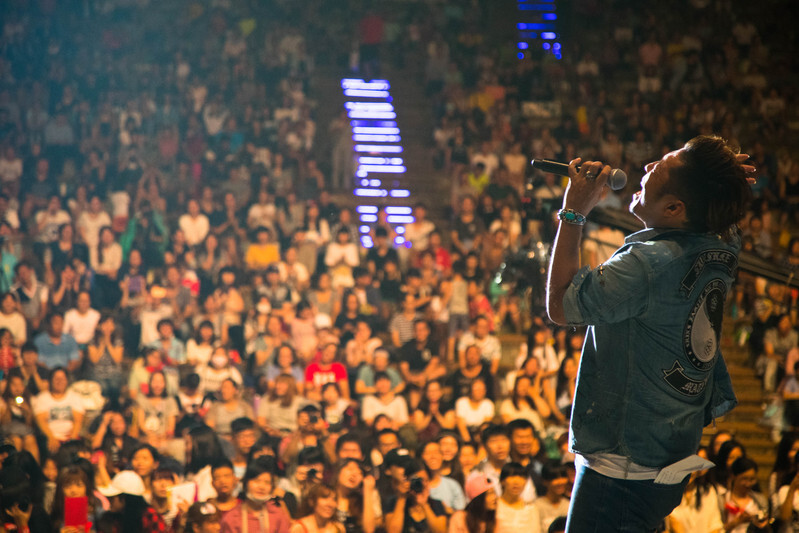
(616, 181)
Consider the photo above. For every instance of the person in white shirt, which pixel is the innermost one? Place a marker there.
(384, 402)
(513, 513)
(59, 412)
(480, 336)
(12, 319)
(91, 221)
(341, 257)
(194, 224)
(10, 168)
(554, 503)
(81, 321)
(49, 220)
(262, 213)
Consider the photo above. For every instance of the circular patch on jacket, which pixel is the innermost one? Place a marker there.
(703, 329)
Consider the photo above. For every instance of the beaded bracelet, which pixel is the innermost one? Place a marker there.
(570, 216)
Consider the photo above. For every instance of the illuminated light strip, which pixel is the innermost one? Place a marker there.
(536, 26)
(355, 113)
(374, 123)
(366, 93)
(364, 170)
(367, 160)
(362, 137)
(376, 193)
(366, 209)
(399, 219)
(377, 136)
(378, 130)
(378, 149)
(374, 106)
(374, 85)
(536, 7)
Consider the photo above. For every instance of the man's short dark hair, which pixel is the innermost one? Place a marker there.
(519, 423)
(553, 470)
(512, 470)
(381, 375)
(310, 456)
(347, 438)
(711, 183)
(241, 424)
(29, 347)
(222, 462)
(387, 431)
(557, 525)
(494, 430)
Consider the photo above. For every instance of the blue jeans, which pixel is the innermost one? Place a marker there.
(602, 504)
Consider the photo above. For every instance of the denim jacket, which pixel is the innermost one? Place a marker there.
(651, 375)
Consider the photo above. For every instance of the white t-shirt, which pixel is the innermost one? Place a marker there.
(194, 228)
(474, 416)
(81, 327)
(489, 346)
(90, 225)
(547, 512)
(49, 224)
(396, 409)
(15, 323)
(10, 169)
(512, 520)
(60, 412)
(706, 518)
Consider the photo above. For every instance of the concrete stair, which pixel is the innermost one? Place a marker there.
(744, 421)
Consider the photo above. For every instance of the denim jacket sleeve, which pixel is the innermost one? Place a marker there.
(614, 291)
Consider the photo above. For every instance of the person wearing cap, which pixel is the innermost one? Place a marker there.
(128, 511)
(480, 513)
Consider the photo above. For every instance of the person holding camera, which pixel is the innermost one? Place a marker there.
(309, 470)
(311, 432)
(411, 509)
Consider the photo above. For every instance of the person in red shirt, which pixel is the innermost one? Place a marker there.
(326, 370)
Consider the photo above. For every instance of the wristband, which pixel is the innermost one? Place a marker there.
(570, 216)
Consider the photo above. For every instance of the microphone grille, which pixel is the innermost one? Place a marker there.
(618, 179)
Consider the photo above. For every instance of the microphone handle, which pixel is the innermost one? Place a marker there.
(616, 181)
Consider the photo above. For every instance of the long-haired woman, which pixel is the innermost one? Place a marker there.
(318, 512)
(357, 505)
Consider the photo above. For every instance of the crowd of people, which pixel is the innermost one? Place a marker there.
(193, 339)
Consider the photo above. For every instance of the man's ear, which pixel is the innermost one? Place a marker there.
(675, 210)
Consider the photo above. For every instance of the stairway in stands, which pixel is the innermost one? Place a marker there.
(743, 421)
(415, 120)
